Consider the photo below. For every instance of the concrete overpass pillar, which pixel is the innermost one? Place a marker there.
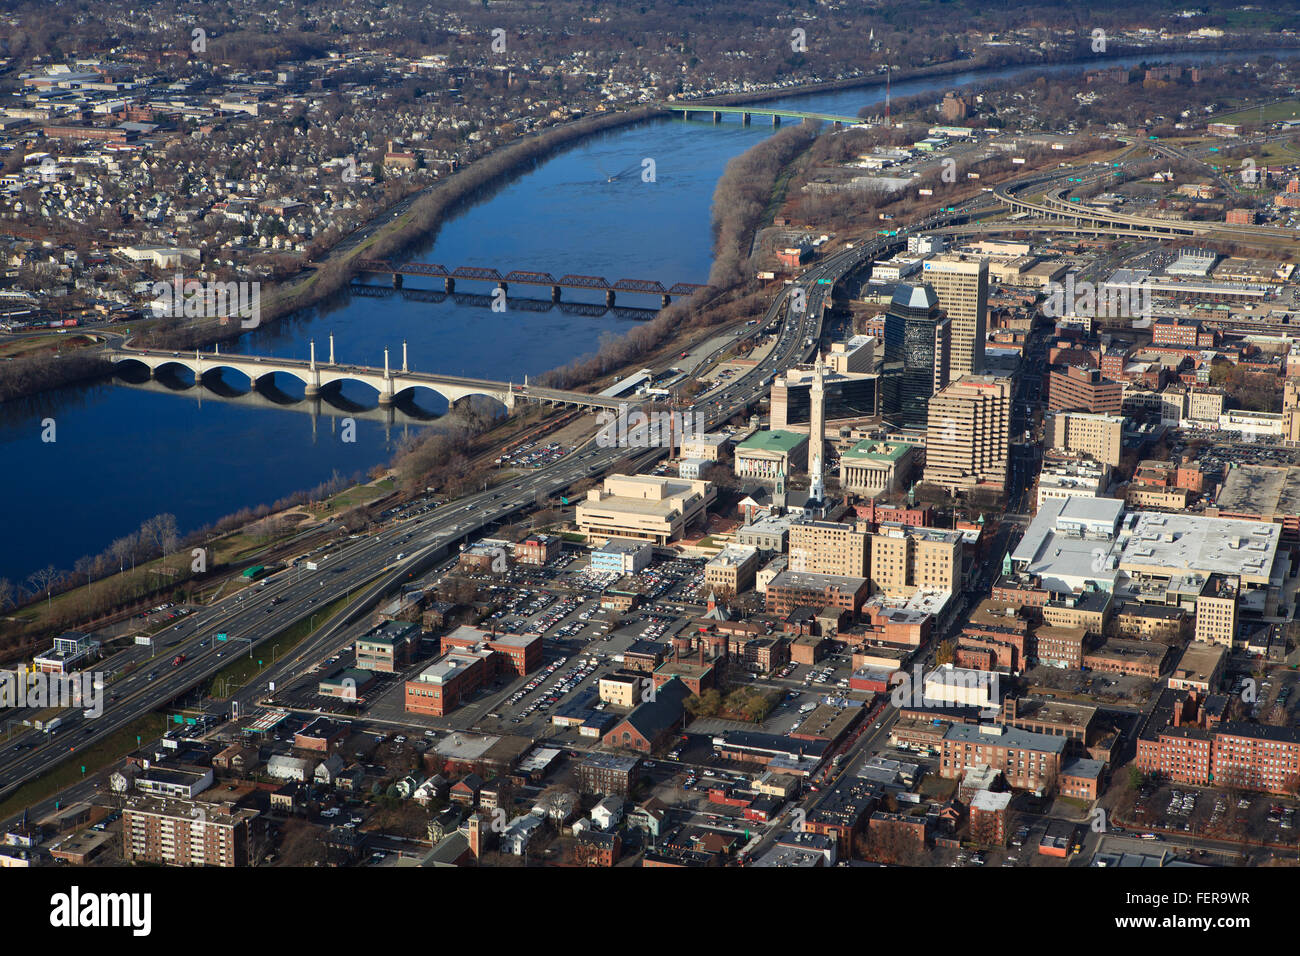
(503, 287)
(312, 388)
(665, 300)
(717, 117)
(609, 298)
(386, 393)
(776, 120)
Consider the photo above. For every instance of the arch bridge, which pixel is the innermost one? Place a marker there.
(388, 382)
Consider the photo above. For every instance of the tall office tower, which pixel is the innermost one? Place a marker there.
(917, 354)
(968, 436)
(962, 284)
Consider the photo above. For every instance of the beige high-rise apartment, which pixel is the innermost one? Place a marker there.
(1291, 410)
(1101, 436)
(962, 285)
(828, 547)
(905, 560)
(1216, 611)
(967, 438)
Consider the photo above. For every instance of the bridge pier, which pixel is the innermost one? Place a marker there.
(449, 284)
(744, 119)
(665, 300)
(397, 280)
(717, 117)
(503, 287)
(609, 298)
(555, 293)
(776, 120)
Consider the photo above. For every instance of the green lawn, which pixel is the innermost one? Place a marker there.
(1272, 113)
(67, 772)
(245, 668)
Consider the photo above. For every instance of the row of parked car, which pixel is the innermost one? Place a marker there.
(657, 627)
(536, 682)
(556, 614)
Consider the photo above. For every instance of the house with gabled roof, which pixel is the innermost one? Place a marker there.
(651, 724)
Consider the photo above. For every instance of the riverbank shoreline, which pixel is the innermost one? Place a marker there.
(444, 198)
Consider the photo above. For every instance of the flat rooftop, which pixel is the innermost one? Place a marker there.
(1199, 661)
(1161, 543)
(732, 555)
(1119, 647)
(810, 581)
(872, 450)
(1262, 490)
(621, 546)
(1071, 541)
(990, 802)
(1005, 737)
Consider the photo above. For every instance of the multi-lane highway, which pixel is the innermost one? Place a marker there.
(365, 567)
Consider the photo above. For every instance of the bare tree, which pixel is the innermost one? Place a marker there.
(44, 580)
(161, 530)
(124, 548)
(85, 567)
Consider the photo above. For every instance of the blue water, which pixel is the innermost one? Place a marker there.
(122, 455)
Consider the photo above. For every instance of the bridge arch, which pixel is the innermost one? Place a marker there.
(452, 396)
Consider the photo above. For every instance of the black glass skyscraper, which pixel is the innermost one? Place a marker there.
(917, 347)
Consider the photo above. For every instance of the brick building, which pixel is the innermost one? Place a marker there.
(1083, 390)
(1029, 761)
(186, 833)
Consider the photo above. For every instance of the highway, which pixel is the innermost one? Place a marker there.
(1056, 204)
(375, 564)
(294, 594)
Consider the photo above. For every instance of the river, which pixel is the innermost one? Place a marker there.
(122, 454)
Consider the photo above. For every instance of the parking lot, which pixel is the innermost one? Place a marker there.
(1215, 814)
